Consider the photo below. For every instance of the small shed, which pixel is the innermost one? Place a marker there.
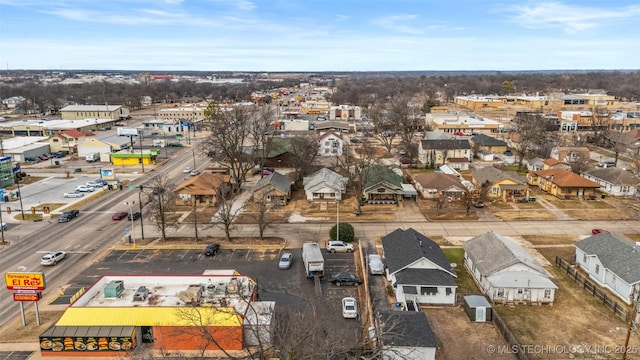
(477, 308)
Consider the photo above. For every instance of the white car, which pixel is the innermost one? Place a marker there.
(4, 226)
(376, 267)
(85, 188)
(195, 172)
(53, 257)
(349, 308)
(187, 170)
(339, 246)
(285, 261)
(73, 194)
(95, 183)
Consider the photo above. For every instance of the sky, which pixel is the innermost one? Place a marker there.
(319, 35)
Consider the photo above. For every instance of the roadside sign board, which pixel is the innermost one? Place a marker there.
(24, 280)
(34, 296)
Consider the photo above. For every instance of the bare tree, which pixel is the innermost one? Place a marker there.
(579, 164)
(229, 136)
(260, 134)
(532, 129)
(304, 151)
(226, 215)
(162, 201)
(359, 169)
(384, 125)
(262, 217)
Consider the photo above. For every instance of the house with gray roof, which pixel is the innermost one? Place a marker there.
(418, 269)
(494, 183)
(612, 260)
(382, 185)
(506, 272)
(433, 185)
(405, 335)
(324, 184)
(488, 143)
(453, 152)
(614, 181)
(274, 188)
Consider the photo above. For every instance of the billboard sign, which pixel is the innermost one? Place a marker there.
(24, 280)
(127, 131)
(31, 296)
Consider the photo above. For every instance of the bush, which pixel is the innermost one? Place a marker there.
(347, 234)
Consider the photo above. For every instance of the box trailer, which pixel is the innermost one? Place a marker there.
(312, 259)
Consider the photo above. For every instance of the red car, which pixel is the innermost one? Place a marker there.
(598, 231)
(119, 215)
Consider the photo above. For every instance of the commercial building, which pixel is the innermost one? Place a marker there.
(80, 112)
(192, 314)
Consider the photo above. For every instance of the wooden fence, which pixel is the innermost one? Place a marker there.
(619, 309)
(508, 336)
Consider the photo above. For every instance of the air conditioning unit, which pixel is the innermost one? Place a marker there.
(113, 289)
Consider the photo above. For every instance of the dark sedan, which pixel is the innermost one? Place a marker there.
(211, 249)
(134, 216)
(345, 279)
(119, 215)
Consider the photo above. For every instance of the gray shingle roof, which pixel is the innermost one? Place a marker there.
(324, 177)
(404, 247)
(432, 277)
(492, 252)
(493, 175)
(405, 328)
(616, 253)
(277, 180)
(614, 175)
(486, 140)
(445, 144)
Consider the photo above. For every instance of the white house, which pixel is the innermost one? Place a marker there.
(331, 144)
(506, 272)
(611, 260)
(418, 269)
(324, 184)
(614, 181)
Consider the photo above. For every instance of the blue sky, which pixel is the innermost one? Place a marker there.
(319, 35)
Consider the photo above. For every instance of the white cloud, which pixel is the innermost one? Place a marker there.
(398, 23)
(570, 18)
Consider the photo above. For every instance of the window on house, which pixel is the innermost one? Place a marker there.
(500, 292)
(547, 293)
(410, 290)
(597, 269)
(428, 290)
(584, 258)
(520, 291)
(448, 291)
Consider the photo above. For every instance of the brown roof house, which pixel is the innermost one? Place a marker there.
(552, 163)
(563, 184)
(494, 183)
(275, 188)
(204, 189)
(432, 185)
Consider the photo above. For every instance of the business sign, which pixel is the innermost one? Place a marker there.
(16, 169)
(32, 296)
(24, 280)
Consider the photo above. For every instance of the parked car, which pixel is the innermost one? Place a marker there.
(52, 258)
(598, 231)
(95, 183)
(268, 171)
(71, 213)
(174, 144)
(285, 261)
(73, 194)
(376, 267)
(119, 215)
(478, 203)
(211, 249)
(345, 279)
(339, 246)
(58, 155)
(134, 216)
(349, 308)
(4, 226)
(195, 172)
(85, 188)
(507, 153)
(187, 170)
(43, 157)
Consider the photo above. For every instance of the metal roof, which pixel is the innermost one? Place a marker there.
(148, 316)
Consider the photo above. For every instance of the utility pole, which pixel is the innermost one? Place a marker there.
(632, 317)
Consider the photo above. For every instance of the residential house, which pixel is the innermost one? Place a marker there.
(381, 185)
(611, 260)
(571, 154)
(613, 181)
(324, 184)
(438, 185)
(453, 152)
(405, 335)
(418, 269)
(535, 164)
(66, 141)
(629, 141)
(563, 184)
(274, 188)
(493, 183)
(205, 189)
(280, 152)
(506, 272)
(552, 163)
(488, 143)
(331, 144)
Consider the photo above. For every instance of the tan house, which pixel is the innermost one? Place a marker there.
(66, 141)
(552, 163)
(494, 183)
(204, 189)
(563, 184)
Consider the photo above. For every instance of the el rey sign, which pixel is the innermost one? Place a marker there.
(26, 296)
(24, 280)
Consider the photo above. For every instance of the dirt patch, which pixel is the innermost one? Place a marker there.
(190, 241)
(16, 333)
(455, 210)
(602, 214)
(520, 215)
(551, 239)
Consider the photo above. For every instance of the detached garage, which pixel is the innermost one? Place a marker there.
(478, 308)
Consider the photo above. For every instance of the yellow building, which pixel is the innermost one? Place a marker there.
(80, 112)
(134, 159)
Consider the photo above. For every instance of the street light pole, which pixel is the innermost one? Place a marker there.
(133, 233)
(141, 157)
(1, 225)
(337, 219)
(20, 195)
(141, 223)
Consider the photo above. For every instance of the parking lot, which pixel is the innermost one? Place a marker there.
(290, 288)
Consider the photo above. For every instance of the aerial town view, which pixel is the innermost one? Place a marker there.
(319, 180)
